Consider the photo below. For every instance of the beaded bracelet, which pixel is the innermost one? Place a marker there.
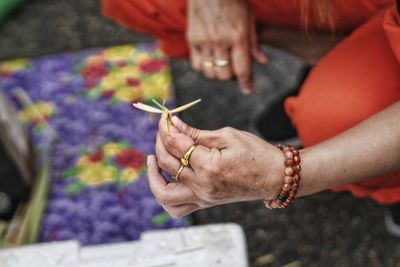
(291, 179)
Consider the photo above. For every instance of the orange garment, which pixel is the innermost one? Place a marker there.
(355, 80)
(166, 20)
(358, 78)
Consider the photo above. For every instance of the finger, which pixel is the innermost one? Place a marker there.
(255, 50)
(222, 63)
(167, 193)
(210, 139)
(196, 58)
(170, 164)
(179, 211)
(177, 144)
(207, 58)
(242, 66)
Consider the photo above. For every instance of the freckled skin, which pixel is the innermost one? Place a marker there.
(229, 165)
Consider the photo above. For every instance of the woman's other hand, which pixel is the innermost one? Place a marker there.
(222, 38)
(227, 165)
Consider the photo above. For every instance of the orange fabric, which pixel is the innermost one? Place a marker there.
(358, 78)
(355, 80)
(391, 25)
(166, 20)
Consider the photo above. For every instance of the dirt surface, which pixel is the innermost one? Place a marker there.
(327, 229)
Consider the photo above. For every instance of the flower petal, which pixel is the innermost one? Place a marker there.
(184, 107)
(147, 108)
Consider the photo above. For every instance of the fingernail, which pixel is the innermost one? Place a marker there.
(179, 124)
(246, 91)
(149, 159)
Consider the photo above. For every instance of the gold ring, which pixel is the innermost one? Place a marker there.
(208, 64)
(176, 176)
(195, 134)
(185, 162)
(221, 62)
(185, 159)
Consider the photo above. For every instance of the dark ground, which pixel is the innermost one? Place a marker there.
(327, 229)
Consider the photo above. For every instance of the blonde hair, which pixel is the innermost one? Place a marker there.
(320, 11)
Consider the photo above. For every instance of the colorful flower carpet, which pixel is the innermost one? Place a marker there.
(100, 192)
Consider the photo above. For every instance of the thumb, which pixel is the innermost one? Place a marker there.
(210, 139)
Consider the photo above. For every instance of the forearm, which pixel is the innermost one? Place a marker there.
(368, 150)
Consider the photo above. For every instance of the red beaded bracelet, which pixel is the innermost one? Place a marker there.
(291, 179)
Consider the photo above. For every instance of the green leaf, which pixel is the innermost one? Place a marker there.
(108, 160)
(85, 151)
(71, 172)
(94, 93)
(114, 102)
(160, 219)
(117, 175)
(113, 68)
(39, 128)
(74, 189)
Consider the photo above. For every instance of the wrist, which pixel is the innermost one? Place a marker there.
(313, 167)
(291, 178)
(275, 169)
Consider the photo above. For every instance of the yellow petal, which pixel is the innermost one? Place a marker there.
(146, 108)
(112, 149)
(184, 107)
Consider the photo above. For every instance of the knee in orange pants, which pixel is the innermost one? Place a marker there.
(357, 79)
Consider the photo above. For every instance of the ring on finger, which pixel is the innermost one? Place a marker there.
(185, 162)
(176, 176)
(221, 63)
(185, 159)
(195, 134)
(208, 64)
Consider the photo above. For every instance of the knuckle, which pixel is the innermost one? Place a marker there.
(219, 40)
(213, 169)
(209, 170)
(170, 143)
(196, 39)
(192, 36)
(228, 131)
(162, 163)
(239, 37)
(203, 169)
(218, 168)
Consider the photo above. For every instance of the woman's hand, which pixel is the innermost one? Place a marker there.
(222, 37)
(227, 165)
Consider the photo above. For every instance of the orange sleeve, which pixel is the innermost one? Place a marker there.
(391, 25)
